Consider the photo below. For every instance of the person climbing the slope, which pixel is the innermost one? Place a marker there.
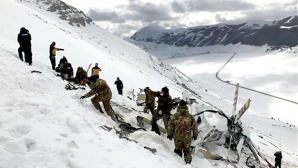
(102, 93)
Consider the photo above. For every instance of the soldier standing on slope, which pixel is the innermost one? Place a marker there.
(165, 105)
(150, 100)
(183, 128)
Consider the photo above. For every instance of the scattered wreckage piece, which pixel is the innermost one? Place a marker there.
(142, 120)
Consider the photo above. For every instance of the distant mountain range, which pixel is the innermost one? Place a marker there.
(279, 33)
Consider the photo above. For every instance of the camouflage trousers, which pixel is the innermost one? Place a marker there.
(146, 108)
(184, 145)
(165, 119)
(106, 104)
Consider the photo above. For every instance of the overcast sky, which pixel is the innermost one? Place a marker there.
(125, 17)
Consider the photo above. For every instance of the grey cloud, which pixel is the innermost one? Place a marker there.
(148, 12)
(220, 19)
(98, 15)
(210, 5)
(124, 30)
(179, 7)
(274, 13)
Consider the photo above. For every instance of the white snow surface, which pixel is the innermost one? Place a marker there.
(44, 125)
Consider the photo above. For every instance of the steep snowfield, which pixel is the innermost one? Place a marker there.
(44, 125)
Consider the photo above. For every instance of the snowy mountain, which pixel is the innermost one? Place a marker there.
(44, 125)
(256, 33)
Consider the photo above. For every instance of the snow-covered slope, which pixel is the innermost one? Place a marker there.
(44, 125)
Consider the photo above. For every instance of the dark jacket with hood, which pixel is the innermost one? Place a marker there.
(24, 38)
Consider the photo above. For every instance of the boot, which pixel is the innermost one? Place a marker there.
(155, 128)
(178, 152)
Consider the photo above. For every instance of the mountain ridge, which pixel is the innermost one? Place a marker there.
(279, 33)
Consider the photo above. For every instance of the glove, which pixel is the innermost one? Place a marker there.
(159, 112)
(82, 97)
(169, 137)
(195, 138)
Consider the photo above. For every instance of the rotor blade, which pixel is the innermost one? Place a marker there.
(253, 149)
(239, 147)
(229, 148)
(241, 111)
(235, 100)
(256, 152)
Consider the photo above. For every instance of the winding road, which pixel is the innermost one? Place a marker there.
(234, 54)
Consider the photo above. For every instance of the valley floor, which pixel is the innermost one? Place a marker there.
(272, 121)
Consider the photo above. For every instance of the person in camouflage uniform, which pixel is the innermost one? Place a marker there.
(165, 105)
(182, 127)
(150, 100)
(102, 93)
(81, 76)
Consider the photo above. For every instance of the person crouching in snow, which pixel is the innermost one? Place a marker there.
(81, 76)
(102, 93)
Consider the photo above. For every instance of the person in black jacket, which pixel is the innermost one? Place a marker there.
(24, 39)
(278, 157)
(119, 85)
(53, 50)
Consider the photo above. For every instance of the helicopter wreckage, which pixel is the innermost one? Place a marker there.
(216, 129)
